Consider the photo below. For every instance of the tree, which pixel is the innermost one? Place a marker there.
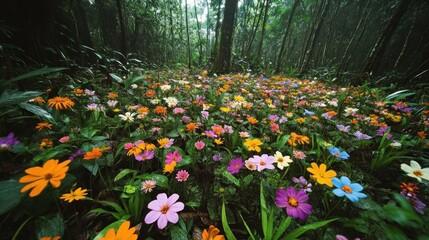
(223, 59)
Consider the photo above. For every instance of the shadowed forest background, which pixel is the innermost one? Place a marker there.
(334, 38)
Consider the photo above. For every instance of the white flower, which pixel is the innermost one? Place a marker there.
(165, 87)
(396, 144)
(155, 101)
(350, 111)
(127, 117)
(171, 101)
(134, 86)
(282, 161)
(414, 170)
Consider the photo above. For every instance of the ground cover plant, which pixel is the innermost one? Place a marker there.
(173, 155)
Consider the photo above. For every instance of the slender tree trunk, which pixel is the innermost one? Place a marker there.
(264, 23)
(200, 44)
(188, 46)
(282, 49)
(214, 50)
(405, 45)
(379, 47)
(122, 28)
(255, 27)
(223, 60)
(172, 50)
(328, 36)
(208, 31)
(314, 37)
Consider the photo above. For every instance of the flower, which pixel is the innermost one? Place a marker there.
(253, 144)
(38, 177)
(148, 186)
(346, 188)
(235, 165)
(212, 234)
(414, 170)
(60, 103)
(173, 157)
(160, 110)
(337, 153)
(78, 194)
(146, 155)
(299, 154)
(295, 202)
(43, 125)
(64, 139)
(262, 162)
(50, 238)
(409, 188)
(93, 154)
(165, 142)
(182, 176)
(164, 210)
(199, 145)
(361, 136)
(124, 233)
(343, 128)
(303, 184)
(8, 141)
(127, 117)
(169, 168)
(417, 204)
(321, 175)
(282, 161)
(296, 139)
(171, 101)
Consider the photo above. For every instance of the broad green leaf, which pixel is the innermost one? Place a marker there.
(231, 178)
(225, 225)
(91, 165)
(10, 195)
(34, 73)
(301, 230)
(123, 173)
(177, 233)
(9, 98)
(193, 204)
(116, 78)
(49, 226)
(282, 228)
(37, 111)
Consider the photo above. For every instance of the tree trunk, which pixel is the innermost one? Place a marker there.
(188, 45)
(379, 47)
(223, 60)
(264, 23)
(282, 49)
(255, 28)
(405, 45)
(214, 50)
(208, 31)
(200, 46)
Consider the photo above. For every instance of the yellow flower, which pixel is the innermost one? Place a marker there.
(321, 175)
(43, 125)
(38, 177)
(45, 143)
(212, 234)
(252, 120)
(163, 142)
(78, 194)
(124, 233)
(93, 154)
(218, 141)
(60, 103)
(225, 109)
(169, 168)
(253, 144)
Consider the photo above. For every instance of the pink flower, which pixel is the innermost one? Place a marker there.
(128, 146)
(200, 145)
(146, 155)
(182, 176)
(64, 139)
(148, 185)
(173, 157)
(263, 162)
(164, 210)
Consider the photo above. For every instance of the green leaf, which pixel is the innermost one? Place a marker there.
(161, 180)
(9, 98)
(263, 210)
(123, 173)
(116, 78)
(225, 225)
(37, 111)
(50, 226)
(91, 165)
(34, 73)
(193, 204)
(231, 178)
(178, 233)
(282, 228)
(301, 230)
(10, 195)
(247, 228)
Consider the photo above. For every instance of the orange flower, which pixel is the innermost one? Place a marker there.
(143, 110)
(38, 177)
(150, 93)
(78, 194)
(112, 95)
(124, 233)
(50, 238)
(60, 103)
(191, 127)
(160, 110)
(253, 144)
(301, 120)
(212, 234)
(252, 120)
(321, 175)
(93, 154)
(421, 134)
(218, 129)
(45, 143)
(169, 168)
(38, 100)
(78, 92)
(43, 125)
(296, 139)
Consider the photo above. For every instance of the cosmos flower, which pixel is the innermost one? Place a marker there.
(235, 165)
(321, 175)
(346, 188)
(164, 210)
(124, 233)
(414, 170)
(303, 184)
(173, 157)
(361, 136)
(336, 152)
(7, 142)
(165, 142)
(146, 155)
(343, 128)
(295, 202)
(262, 162)
(282, 161)
(253, 144)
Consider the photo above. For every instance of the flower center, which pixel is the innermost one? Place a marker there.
(280, 159)
(418, 173)
(237, 166)
(262, 163)
(48, 176)
(164, 209)
(347, 189)
(292, 201)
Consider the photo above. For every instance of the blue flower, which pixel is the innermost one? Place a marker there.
(346, 188)
(337, 153)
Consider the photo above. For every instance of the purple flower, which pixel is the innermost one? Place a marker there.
(186, 119)
(303, 184)
(294, 201)
(76, 154)
(235, 165)
(417, 204)
(7, 142)
(146, 155)
(164, 210)
(343, 128)
(273, 118)
(217, 157)
(361, 136)
(205, 115)
(174, 156)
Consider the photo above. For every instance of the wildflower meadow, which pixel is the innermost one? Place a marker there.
(171, 154)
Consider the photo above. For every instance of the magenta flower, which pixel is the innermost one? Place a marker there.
(182, 176)
(200, 145)
(164, 210)
(7, 142)
(146, 155)
(235, 165)
(263, 162)
(294, 201)
(174, 156)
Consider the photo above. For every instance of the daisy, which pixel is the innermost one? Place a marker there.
(415, 170)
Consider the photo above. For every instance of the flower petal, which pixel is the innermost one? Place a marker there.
(172, 199)
(162, 221)
(155, 205)
(176, 207)
(406, 168)
(356, 187)
(172, 217)
(339, 192)
(415, 165)
(337, 182)
(152, 216)
(345, 180)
